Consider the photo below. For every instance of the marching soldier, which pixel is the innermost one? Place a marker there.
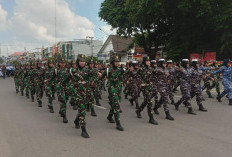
(39, 82)
(50, 83)
(163, 83)
(185, 86)
(114, 75)
(196, 75)
(80, 77)
(146, 74)
(61, 80)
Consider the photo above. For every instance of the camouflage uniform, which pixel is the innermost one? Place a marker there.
(39, 82)
(49, 79)
(115, 76)
(162, 75)
(146, 74)
(207, 80)
(73, 69)
(133, 82)
(21, 79)
(80, 78)
(26, 80)
(155, 90)
(215, 83)
(185, 86)
(91, 88)
(16, 79)
(196, 75)
(170, 78)
(61, 80)
(32, 84)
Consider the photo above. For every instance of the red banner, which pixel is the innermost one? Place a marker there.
(196, 56)
(210, 56)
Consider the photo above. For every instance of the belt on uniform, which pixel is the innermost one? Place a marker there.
(82, 82)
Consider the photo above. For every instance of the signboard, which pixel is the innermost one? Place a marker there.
(196, 56)
(139, 56)
(102, 57)
(210, 56)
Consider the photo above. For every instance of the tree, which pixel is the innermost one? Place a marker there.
(183, 26)
(199, 26)
(139, 18)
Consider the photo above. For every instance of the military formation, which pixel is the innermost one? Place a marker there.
(80, 84)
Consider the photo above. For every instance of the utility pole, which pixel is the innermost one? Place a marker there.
(91, 38)
(55, 23)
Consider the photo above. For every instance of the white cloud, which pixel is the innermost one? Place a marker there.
(3, 19)
(107, 30)
(33, 20)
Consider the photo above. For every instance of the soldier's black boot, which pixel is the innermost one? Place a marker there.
(84, 132)
(93, 112)
(110, 118)
(172, 102)
(77, 124)
(152, 120)
(118, 124)
(131, 102)
(39, 103)
(50, 108)
(138, 112)
(168, 116)
(17, 91)
(219, 98)
(75, 107)
(32, 98)
(27, 95)
(22, 93)
(71, 103)
(97, 103)
(209, 94)
(126, 96)
(177, 104)
(137, 106)
(88, 108)
(230, 102)
(119, 127)
(155, 109)
(190, 111)
(201, 108)
(65, 120)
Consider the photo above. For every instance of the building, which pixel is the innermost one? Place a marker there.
(115, 45)
(16, 56)
(71, 49)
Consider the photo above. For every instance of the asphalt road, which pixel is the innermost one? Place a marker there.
(29, 131)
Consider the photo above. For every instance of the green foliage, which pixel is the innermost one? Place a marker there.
(183, 26)
(139, 18)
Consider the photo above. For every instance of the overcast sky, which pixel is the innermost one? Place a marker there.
(30, 23)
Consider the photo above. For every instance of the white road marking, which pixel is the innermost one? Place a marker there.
(101, 107)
